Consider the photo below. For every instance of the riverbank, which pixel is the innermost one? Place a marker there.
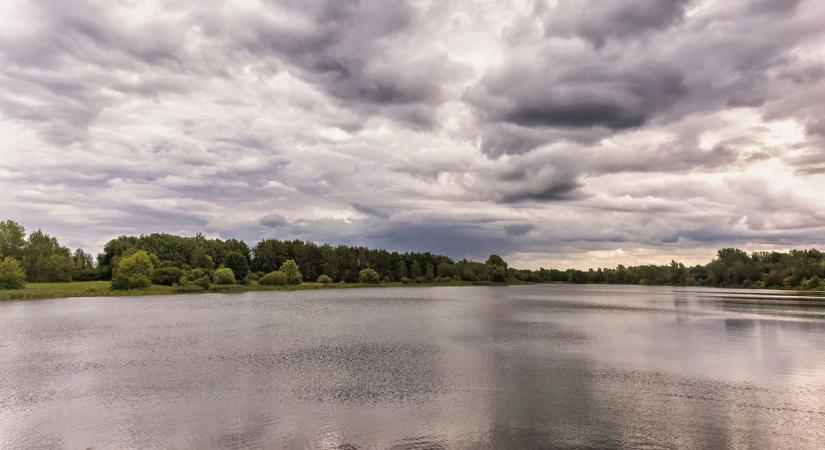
(34, 291)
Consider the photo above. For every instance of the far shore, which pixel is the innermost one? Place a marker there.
(40, 291)
(79, 289)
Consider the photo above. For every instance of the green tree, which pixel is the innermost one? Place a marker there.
(224, 275)
(12, 239)
(368, 276)
(12, 275)
(498, 274)
(44, 259)
(201, 259)
(290, 269)
(323, 279)
(238, 263)
(133, 271)
(429, 275)
(274, 278)
(495, 260)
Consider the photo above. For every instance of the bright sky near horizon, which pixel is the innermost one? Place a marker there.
(570, 133)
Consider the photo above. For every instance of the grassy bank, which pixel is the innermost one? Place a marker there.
(103, 289)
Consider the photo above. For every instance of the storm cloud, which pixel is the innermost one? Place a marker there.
(557, 133)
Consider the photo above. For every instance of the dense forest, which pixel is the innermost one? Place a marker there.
(168, 259)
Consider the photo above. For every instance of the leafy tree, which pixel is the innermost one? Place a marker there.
(238, 263)
(290, 269)
(12, 239)
(44, 259)
(498, 274)
(201, 259)
(224, 275)
(429, 275)
(369, 276)
(12, 275)
(133, 272)
(82, 260)
(166, 276)
(323, 279)
(495, 260)
(274, 278)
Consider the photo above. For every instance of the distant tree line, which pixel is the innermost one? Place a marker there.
(796, 269)
(196, 261)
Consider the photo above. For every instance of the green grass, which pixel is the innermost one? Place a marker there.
(103, 289)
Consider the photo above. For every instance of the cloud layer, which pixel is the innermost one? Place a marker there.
(568, 132)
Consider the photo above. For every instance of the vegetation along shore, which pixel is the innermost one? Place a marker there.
(37, 266)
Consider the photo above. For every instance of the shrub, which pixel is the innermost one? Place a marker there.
(193, 274)
(275, 278)
(290, 269)
(324, 279)
(138, 281)
(166, 276)
(12, 275)
(252, 278)
(133, 272)
(224, 275)
(202, 282)
(184, 288)
(406, 280)
(91, 274)
(368, 276)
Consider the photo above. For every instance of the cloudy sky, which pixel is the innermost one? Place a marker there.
(571, 133)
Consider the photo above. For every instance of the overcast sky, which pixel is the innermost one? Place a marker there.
(573, 133)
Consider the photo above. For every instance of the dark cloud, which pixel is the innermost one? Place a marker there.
(597, 21)
(273, 221)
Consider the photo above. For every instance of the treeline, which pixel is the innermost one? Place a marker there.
(39, 257)
(176, 260)
(338, 263)
(796, 269)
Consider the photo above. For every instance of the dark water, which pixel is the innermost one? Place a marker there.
(558, 366)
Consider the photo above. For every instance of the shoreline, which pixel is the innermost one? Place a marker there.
(81, 289)
(77, 289)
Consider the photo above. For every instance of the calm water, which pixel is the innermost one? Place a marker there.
(555, 366)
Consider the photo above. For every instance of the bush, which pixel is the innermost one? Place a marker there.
(202, 282)
(138, 281)
(184, 288)
(323, 279)
(275, 278)
(133, 272)
(12, 275)
(290, 269)
(406, 280)
(369, 276)
(191, 275)
(252, 278)
(224, 275)
(86, 274)
(166, 276)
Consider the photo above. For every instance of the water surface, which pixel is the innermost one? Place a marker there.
(547, 366)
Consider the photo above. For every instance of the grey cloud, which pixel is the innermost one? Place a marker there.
(603, 92)
(546, 88)
(273, 221)
(598, 21)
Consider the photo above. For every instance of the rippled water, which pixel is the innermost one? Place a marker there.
(549, 366)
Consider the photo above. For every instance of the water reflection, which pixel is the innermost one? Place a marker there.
(554, 366)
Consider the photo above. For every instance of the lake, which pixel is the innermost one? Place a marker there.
(544, 366)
